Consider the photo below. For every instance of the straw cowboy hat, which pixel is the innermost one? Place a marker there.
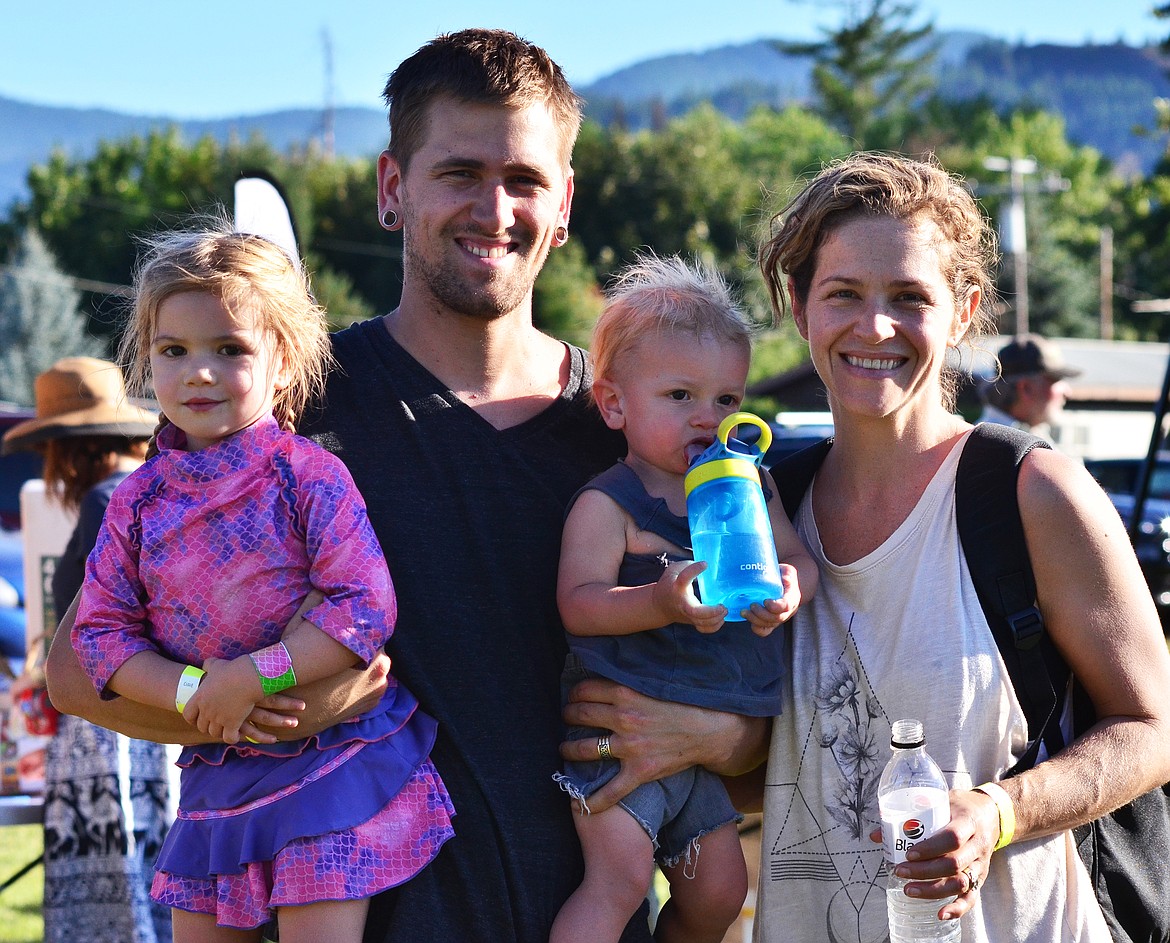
(80, 396)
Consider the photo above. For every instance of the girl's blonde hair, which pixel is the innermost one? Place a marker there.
(249, 275)
(664, 295)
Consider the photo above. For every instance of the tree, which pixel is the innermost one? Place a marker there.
(871, 72)
(40, 319)
(1070, 196)
(566, 301)
(91, 210)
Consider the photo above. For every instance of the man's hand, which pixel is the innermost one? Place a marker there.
(653, 739)
(324, 703)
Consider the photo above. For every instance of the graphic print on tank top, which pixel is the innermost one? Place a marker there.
(826, 840)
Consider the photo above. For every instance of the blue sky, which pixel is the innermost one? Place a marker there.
(217, 58)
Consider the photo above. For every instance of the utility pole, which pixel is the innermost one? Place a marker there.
(1106, 280)
(1012, 231)
(327, 132)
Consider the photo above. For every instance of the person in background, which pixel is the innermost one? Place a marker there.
(1031, 387)
(885, 264)
(106, 795)
(467, 430)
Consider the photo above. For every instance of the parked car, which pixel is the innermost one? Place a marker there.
(1119, 478)
(15, 470)
(793, 431)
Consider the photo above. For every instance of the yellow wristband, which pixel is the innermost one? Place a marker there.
(188, 685)
(1007, 812)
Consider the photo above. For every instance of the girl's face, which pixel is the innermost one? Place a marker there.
(214, 372)
(880, 316)
(668, 395)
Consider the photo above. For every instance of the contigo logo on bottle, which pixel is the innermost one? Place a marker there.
(753, 566)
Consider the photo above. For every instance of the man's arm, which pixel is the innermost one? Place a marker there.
(318, 705)
(655, 738)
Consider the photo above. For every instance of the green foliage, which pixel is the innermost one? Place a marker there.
(566, 300)
(700, 184)
(1067, 200)
(90, 211)
(774, 351)
(39, 318)
(703, 187)
(334, 291)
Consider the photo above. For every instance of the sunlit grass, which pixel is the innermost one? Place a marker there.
(20, 904)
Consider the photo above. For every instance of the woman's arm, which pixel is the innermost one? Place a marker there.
(317, 706)
(1100, 616)
(1098, 610)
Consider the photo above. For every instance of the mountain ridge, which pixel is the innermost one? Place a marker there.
(1102, 90)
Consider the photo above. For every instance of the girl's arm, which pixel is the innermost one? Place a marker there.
(230, 690)
(590, 601)
(317, 706)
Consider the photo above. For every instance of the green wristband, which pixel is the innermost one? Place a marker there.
(275, 668)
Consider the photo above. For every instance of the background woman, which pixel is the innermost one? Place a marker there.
(105, 794)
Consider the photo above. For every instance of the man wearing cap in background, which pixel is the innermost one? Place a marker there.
(1030, 389)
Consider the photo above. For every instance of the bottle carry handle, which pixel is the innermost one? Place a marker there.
(746, 419)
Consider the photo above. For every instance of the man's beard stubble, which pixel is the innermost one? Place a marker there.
(488, 300)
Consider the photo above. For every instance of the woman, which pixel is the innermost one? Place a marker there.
(105, 795)
(884, 263)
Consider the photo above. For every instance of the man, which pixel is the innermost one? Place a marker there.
(467, 431)
(1031, 388)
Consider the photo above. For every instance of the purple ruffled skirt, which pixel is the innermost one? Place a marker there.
(340, 816)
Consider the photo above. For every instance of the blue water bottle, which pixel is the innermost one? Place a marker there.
(730, 529)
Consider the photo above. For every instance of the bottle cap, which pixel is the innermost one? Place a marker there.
(727, 457)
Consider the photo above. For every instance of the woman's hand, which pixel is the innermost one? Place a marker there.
(955, 861)
(653, 739)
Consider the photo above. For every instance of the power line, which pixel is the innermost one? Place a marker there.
(81, 284)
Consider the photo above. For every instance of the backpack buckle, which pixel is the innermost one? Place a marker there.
(1027, 627)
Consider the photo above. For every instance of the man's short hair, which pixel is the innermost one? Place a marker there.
(477, 66)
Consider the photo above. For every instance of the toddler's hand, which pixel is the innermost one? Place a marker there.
(675, 595)
(763, 619)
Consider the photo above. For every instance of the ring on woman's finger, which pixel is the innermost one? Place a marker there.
(603, 750)
(972, 881)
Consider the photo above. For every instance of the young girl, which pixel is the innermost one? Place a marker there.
(205, 555)
(671, 356)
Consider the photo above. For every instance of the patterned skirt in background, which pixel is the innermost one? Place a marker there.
(106, 814)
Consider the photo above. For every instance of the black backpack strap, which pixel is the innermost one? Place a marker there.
(988, 517)
(795, 473)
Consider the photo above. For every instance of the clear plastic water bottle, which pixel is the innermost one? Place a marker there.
(730, 528)
(912, 798)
